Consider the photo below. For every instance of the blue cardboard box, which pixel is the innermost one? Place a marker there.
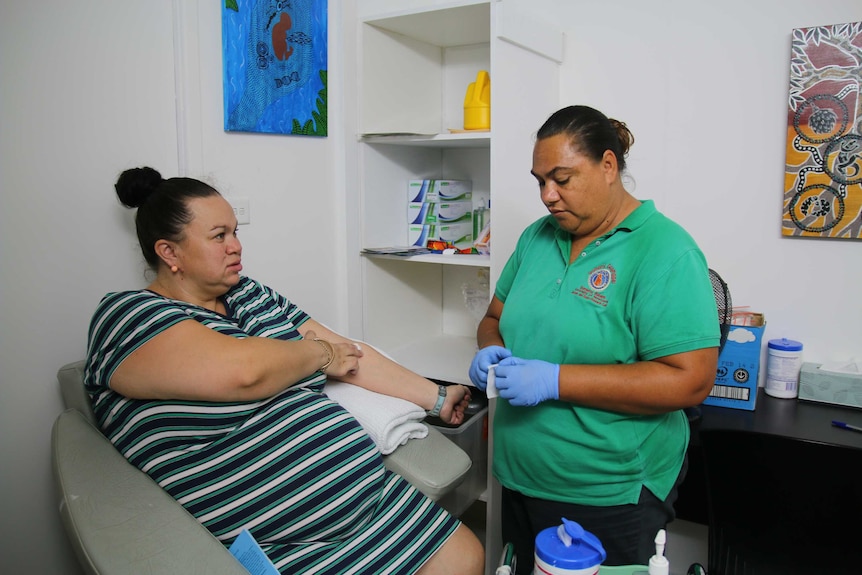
(738, 368)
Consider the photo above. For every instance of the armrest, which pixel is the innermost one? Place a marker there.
(433, 464)
(118, 519)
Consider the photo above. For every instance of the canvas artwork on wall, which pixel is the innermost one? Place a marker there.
(275, 66)
(823, 174)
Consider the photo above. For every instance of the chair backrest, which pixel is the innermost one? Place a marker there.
(781, 505)
(118, 520)
(71, 378)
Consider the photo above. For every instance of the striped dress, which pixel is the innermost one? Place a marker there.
(296, 469)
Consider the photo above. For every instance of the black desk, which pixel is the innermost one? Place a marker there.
(785, 488)
(803, 420)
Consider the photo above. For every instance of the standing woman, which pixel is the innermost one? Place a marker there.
(212, 384)
(604, 326)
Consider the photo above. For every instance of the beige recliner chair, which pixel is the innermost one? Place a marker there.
(121, 522)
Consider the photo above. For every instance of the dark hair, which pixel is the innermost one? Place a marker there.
(162, 206)
(591, 132)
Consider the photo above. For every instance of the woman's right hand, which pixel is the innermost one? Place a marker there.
(345, 357)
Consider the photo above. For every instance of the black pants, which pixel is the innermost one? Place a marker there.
(627, 532)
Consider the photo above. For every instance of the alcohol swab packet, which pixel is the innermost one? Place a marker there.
(491, 390)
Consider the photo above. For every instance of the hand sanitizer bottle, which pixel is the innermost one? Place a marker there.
(658, 563)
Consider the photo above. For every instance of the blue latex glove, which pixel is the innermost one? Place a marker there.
(525, 382)
(483, 358)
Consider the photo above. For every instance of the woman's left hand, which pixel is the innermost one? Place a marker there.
(457, 400)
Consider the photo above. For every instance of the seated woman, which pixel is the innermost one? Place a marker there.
(212, 384)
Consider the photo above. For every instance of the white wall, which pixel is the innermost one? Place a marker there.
(704, 88)
(88, 89)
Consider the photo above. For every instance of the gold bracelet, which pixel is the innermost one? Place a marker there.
(330, 353)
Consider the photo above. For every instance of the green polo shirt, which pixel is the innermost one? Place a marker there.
(640, 292)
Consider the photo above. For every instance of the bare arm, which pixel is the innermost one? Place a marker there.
(190, 361)
(661, 385)
(378, 373)
(488, 332)
(658, 386)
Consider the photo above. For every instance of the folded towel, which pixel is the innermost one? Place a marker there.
(389, 421)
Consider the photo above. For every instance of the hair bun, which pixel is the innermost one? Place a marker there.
(625, 136)
(136, 185)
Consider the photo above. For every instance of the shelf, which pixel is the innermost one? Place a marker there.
(479, 139)
(477, 260)
(427, 356)
(445, 27)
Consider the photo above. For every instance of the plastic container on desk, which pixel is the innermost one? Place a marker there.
(783, 365)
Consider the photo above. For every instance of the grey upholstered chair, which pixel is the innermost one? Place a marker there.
(120, 521)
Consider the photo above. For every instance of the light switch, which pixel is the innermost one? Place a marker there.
(240, 209)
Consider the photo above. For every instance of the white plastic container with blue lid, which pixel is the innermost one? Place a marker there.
(783, 364)
(568, 550)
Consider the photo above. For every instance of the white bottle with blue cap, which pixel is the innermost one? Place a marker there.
(783, 364)
(568, 550)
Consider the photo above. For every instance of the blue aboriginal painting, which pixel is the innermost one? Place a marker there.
(275, 65)
(823, 174)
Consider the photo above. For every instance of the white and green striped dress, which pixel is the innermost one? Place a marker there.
(296, 469)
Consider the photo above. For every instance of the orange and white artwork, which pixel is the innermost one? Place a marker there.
(823, 175)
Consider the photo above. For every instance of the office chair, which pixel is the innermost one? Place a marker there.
(788, 524)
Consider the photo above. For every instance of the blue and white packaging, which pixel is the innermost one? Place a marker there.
(439, 212)
(452, 212)
(248, 552)
(459, 234)
(420, 213)
(738, 367)
(439, 190)
(419, 234)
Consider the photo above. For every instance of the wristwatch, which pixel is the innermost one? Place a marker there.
(441, 399)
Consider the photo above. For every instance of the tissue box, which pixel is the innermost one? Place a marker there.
(830, 386)
(738, 368)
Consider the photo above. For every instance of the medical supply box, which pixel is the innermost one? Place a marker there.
(738, 367)
(834, 387)
(439, 190)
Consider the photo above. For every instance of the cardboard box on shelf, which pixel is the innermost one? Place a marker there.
(439, 190)
(739, 367)
(459, 234)
(422, 213)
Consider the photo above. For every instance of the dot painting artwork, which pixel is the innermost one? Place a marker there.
(275, 66)
(823, 173)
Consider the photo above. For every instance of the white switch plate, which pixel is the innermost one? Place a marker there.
(240, 209)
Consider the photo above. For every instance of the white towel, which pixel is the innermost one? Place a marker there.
(389, 421)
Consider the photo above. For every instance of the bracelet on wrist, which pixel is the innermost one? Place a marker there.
(330, 354)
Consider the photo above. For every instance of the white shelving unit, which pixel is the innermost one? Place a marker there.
(415, 59)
